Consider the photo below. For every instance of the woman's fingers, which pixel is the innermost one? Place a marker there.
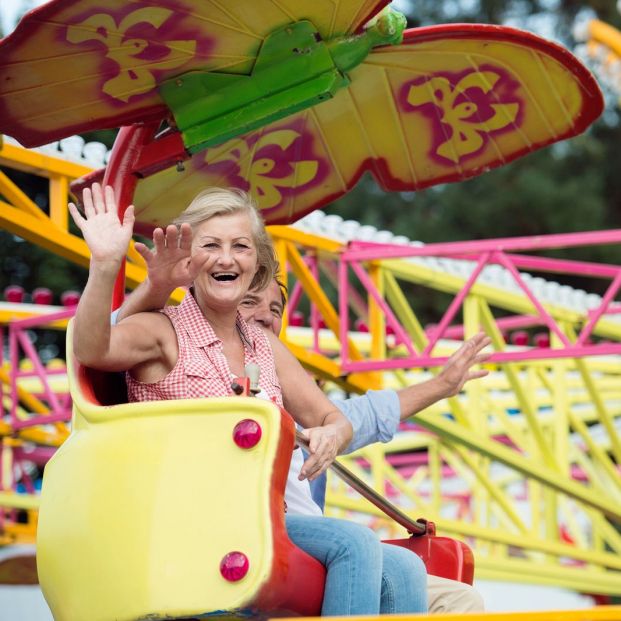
(76, 215)
(186, 237)
(144, 252)
(128, 218)
(87, 201)
(159, 240)
(171, 237)
(98, 198)
(108, 200)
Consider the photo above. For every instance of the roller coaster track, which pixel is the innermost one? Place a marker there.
(523, 464)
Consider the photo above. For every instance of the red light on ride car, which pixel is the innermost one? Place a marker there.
(247, 433)
(42, 295)
(14, 293)
(234, 566)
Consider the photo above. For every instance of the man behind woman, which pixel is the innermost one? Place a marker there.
(195, 350)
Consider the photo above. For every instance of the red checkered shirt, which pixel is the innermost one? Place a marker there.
(202, 369)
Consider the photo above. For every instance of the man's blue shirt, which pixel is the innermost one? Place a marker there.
(374, 418)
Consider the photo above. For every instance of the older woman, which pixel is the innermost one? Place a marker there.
(195, 350)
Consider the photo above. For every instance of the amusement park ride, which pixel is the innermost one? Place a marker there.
(294, 102)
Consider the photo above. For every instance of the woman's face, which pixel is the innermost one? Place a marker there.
(232, 263)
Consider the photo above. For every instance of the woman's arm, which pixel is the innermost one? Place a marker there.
(327, 429)
(95, 343)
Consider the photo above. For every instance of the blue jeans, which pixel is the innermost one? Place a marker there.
(364, 575)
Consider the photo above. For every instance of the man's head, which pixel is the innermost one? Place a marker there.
(265, 307)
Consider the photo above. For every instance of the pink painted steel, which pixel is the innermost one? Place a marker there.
(563, 266)
(60, 409)
(367, 251)
(543, 313)
(391, 320)
(503, 323)
(365, 366)
(313, 265)
(594, 318)
(294, 298)
(343, 311)
(493, 252)
(455, 305)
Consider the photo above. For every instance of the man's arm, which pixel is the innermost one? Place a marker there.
(375, 416)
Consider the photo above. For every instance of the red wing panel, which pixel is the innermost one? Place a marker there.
(74, 66)
(450, 103)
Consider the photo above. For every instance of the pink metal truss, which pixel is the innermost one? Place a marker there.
(488, 252)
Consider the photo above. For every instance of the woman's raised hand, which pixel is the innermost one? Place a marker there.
(171, 264)
(106, 236)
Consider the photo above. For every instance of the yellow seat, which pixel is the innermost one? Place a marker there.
(144, 500)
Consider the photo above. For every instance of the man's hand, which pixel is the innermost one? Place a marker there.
(323, 446)
(171, 264)
(457, 370)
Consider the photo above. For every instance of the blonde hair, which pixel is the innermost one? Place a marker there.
(227, 201)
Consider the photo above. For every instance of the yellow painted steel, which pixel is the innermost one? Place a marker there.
(600, 613)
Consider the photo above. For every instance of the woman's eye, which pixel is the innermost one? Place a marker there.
(210, 245)
(242, 246)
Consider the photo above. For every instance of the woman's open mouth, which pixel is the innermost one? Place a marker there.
(225, 276)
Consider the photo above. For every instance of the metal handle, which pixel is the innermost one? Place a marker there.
(412, 526)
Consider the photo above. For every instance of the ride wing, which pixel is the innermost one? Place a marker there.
(76, 66)
(450, 103)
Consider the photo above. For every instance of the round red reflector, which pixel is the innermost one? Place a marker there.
(234, 566)
(542, 339)
(42, 295)
(296, 319)
(520, 338)
(14, 293)
(247, 433)
(69, 298)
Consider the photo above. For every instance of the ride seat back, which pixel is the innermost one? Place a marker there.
(144, 501)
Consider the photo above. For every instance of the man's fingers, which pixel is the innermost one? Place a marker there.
(477, 374)
(482, 358)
